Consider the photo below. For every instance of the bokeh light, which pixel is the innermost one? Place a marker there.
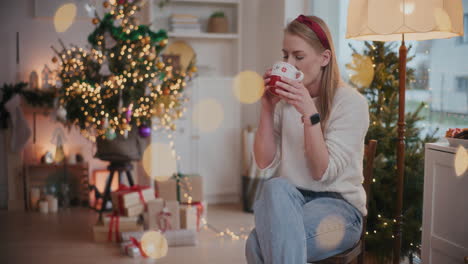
(64, 17)
(207, 115)
(248, 87)
(361, 70)
(461, 161)
(154, 244)
(183, 50)
(159, 161)
(331, 231)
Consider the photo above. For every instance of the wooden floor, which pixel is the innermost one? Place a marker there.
(67, 238)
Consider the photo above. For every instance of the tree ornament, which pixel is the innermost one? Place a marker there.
(106, 4)
(61, 114)
(105, 71)
(105, 123)
(109, 41)
(160, 65)
(117, 23)
(163, 43)
(95, 21)
(110, 134)
(144, 131)
(54, 59)
(129, 113)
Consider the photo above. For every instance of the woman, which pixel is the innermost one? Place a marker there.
(312, 136)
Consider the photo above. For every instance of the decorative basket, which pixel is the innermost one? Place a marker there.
(218, 25)
(121, 148)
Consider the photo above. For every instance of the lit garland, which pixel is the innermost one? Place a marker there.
(122, 81)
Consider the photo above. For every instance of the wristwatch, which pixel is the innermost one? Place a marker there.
(314, 119)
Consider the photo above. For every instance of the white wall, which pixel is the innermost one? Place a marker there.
(263, 25)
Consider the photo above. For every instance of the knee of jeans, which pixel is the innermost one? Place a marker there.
(274, 187)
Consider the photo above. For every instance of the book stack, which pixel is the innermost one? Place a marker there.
(185, 23)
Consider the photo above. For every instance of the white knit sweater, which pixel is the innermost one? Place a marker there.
(344, 136)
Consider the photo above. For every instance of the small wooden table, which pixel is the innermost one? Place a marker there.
(36, 175)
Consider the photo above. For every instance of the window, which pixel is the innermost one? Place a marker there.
(462, 84)
(440, 71)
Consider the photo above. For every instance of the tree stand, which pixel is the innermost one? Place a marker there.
(120, 167)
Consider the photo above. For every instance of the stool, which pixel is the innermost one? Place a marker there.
(120, 167)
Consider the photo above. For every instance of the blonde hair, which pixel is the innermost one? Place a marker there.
(330, 79)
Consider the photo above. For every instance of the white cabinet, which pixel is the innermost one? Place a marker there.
(218, 54)
(208, 138)
(445, 208)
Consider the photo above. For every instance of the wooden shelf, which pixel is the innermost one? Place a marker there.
(54, 166)
(204, 35)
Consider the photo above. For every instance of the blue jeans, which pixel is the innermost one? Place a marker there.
(298, 226)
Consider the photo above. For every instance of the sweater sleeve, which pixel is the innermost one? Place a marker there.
(345, 135)
(271, 169)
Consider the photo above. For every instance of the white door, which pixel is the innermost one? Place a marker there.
(216, 124)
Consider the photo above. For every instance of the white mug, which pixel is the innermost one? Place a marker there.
(283, 69)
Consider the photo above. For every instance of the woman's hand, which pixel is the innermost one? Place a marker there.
(269, 100)
(297, 95)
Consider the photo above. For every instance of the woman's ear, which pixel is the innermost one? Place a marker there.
(326, 56)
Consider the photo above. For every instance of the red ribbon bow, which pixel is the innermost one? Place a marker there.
(316, 28)
(200, 209)
(137, 244)
(114, 219)
(163, 220)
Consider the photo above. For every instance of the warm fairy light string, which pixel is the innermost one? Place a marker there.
(186, 187)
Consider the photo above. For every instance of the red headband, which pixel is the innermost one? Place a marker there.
(316, 28)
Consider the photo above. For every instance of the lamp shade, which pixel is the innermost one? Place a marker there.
(387, 20)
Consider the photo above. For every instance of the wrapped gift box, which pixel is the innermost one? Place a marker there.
(128, 248)
(189, 186)
(175, 238)
(132, 247)
(133, 210)
(101, 232)
(124, 221)
(188, 217)
(156, 216)
(128, 197)
(128, 200)
(191, 215)
(167, 190)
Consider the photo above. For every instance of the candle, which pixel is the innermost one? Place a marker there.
(52, 203)
(34, 197)
(43, 207)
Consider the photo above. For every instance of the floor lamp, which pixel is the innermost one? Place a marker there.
(400, 20)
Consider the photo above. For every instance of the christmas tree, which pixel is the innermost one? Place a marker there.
(122, 81)
(376, 77)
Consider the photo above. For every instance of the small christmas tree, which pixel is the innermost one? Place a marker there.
(376, 77)
(122, 82)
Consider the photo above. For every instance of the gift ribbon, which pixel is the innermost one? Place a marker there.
(164, 217)
(200, 210)
(123, 189)
(137, 244)
(114, 219)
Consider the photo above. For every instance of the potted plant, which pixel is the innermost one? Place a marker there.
(218, 23)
